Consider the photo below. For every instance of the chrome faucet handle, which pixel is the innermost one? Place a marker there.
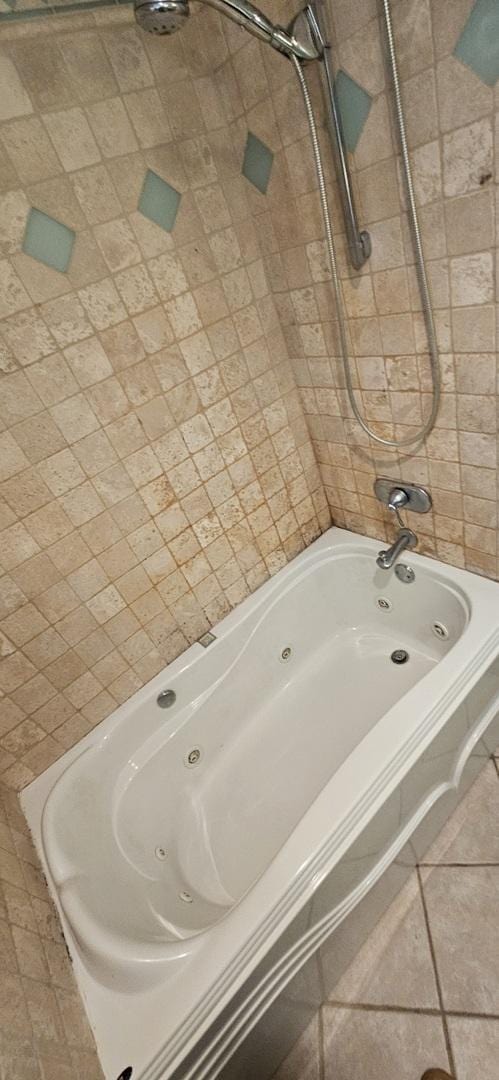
(397, 499)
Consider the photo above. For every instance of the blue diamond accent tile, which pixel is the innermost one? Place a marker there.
(354, 104)
(48, 240)
(478, 45)
(257, 164)
(159, 201)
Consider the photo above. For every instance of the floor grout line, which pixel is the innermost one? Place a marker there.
(456, 865)
(322, 1049)
(445, 1026)
(356, 1006)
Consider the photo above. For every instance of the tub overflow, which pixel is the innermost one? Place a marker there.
(440, 630)
(384, 604)
(286, 653)
(399, 656)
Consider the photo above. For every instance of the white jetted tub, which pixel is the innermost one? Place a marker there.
(294, 760)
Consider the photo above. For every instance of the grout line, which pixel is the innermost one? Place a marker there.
(471, 1015)
(322, 1051)
(355, 1006)
(437, 977)
(460, 865)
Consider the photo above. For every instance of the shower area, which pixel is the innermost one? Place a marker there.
(237, 284)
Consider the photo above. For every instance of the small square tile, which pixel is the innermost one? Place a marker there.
(354, 104)
(159, 201)
(478, 45)
(257, 164)
(48, 240)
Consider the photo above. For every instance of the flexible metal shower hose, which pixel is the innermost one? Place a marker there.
(408, 440)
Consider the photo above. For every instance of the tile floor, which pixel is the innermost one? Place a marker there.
(424, 989)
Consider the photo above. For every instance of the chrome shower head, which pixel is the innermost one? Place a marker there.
(161, 16)
(167, 16)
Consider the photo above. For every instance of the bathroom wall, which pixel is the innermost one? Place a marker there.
(449, 90)
(168, 397)
(155, 463)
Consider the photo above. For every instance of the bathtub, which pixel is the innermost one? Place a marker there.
(204, 840)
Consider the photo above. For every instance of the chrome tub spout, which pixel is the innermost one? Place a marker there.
(405, 539)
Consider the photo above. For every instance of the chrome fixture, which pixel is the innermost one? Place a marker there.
(168, 16)
(405, 573)
(359, 241)
(304, 39)
(193, 757)
(405, 539)
(399, 656)
(418, 436)
(400, 495)
(166, 698)
(397, 499)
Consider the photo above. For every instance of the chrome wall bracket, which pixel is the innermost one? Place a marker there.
(359, 241)
(389, 492)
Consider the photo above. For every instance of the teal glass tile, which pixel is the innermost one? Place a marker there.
(257, 163)
(478, 45)
(48, 240)
(354, 104)
(159, 201)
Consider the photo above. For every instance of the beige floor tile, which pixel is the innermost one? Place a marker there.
(303, 1063)
(394, 966)
(463, 911)
(471, 834)
(475, 1044)
(377, 1045)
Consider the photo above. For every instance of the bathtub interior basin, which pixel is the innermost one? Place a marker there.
(152, 844)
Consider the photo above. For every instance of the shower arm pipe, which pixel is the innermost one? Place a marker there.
(359, 241)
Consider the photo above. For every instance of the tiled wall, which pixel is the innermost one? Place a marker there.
(155, 464)
(451, 110)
